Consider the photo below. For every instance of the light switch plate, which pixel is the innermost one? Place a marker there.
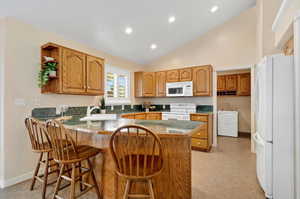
(20, 102)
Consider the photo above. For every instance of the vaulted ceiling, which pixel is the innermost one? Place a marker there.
(101, 24)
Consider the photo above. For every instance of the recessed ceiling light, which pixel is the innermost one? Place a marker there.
(128, 30)
(172, 19)
(214, 9)
(153, 46)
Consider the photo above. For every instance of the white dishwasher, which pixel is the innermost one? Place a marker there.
(228, 123)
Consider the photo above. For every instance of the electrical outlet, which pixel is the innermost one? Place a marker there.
(164, 106)
(131, 106)
(123, 107)
(112, 107)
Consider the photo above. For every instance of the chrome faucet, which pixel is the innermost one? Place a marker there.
(89, 110)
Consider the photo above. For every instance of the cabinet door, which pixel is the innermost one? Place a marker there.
(202, 81)
(244, 84)
(231, 82)
(173, 76)
(221, 83)
(185, 74)
(140, 116)
(148, 84)
(74, 77)
(160, 84)
(95, 75)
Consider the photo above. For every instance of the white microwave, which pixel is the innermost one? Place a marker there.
(179, 89)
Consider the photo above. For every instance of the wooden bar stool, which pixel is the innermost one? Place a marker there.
(72, 155)
(40, 143)
(137, 153)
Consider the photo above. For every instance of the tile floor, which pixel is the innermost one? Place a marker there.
(228, 172)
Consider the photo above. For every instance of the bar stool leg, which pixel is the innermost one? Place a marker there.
(127, 189)
(45, 175)
(81, 178)
(73, 181)
(151, 189)
(58, 180)
(36, 171)
(94, 179)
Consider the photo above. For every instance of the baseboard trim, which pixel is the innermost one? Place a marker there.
(16, 180)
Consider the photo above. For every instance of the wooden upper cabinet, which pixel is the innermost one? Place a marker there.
(149, 84)
(160, 78)
(221, 83)
(185, 74)
(172, 75)
(202, 80)
(244, 84)
(144, 83)
(231, 82)
(74, 68)
(77, 72)
(95, 75)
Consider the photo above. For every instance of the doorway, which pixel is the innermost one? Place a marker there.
(234, 102)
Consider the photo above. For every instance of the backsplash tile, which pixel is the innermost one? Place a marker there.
(204, 108)
(81, 110)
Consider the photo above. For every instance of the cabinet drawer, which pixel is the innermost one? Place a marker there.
(201, 118)
(153, 116)
(201, 143)
(202, 133)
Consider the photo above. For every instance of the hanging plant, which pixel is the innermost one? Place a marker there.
(48, 70)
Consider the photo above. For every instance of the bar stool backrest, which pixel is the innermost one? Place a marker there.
(39, 139)
(62, 143)
(137, 152)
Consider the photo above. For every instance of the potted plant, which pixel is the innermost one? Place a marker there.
(48, 71)
(102, 105)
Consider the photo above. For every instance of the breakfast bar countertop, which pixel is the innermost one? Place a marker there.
(161, 127)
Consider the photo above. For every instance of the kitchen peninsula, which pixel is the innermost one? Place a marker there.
(174, 181)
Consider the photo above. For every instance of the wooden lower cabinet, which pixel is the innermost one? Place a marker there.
(143, 116)
(140, 116)
(153, 116)
(202, 139)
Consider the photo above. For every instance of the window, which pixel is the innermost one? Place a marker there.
(117, 85)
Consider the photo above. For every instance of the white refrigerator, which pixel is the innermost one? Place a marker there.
(274, 99)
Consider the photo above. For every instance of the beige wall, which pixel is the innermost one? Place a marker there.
(229, 45)
(266, 12)
(284, 28)
(2, 44)
(22, 65)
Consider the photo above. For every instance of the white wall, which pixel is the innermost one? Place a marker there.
(21, 67)
(2, 46)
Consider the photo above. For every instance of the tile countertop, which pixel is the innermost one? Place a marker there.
(161, 127)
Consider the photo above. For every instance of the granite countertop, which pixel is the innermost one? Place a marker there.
(161, 127)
